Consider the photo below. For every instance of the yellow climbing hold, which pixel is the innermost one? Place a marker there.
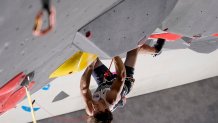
(79, 61)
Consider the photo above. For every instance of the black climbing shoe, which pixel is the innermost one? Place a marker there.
(159, 45)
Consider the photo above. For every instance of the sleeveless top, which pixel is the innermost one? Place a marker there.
(101, 94)
(103, 88)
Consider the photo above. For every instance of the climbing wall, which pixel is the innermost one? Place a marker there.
(115, 27)
(120, 29)
(21, 51)
(204, 45)
(193, 18)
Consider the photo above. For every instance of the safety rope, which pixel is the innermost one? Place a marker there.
(107, 73)
(30, 104)
(111, 64)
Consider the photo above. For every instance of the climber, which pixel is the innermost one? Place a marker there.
(112, 88)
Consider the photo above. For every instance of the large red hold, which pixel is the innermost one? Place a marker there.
(167, 36)
(12, 93)
(12, 84)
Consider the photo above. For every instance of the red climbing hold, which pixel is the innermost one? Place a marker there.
(88, 35)
(167, 36)
(216, 35)
(15, 98)
(12, 84)
(12, 93)
(4, 98)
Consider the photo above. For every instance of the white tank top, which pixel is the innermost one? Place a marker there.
(101, 94)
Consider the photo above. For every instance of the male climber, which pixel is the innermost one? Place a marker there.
(112, 88)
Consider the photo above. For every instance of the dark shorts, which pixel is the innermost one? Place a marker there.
(107, 80)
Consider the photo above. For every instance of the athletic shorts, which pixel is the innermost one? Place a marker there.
(107, 80)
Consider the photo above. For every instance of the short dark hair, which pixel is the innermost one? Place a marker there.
(104, 117)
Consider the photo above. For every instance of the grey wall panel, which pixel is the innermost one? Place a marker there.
(193, 17)
(180, 44)
(85, 44)
(121, 28)
(204, 45)
(21, 51)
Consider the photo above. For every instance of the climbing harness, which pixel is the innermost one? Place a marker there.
(37, 29)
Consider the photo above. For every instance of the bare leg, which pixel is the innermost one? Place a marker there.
(156, 49)
(129, 63)
(145, 49)
(132, 55)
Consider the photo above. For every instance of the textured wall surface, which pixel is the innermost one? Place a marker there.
(21, 51)
(191, 103)
(192, 21)
(123, 26)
